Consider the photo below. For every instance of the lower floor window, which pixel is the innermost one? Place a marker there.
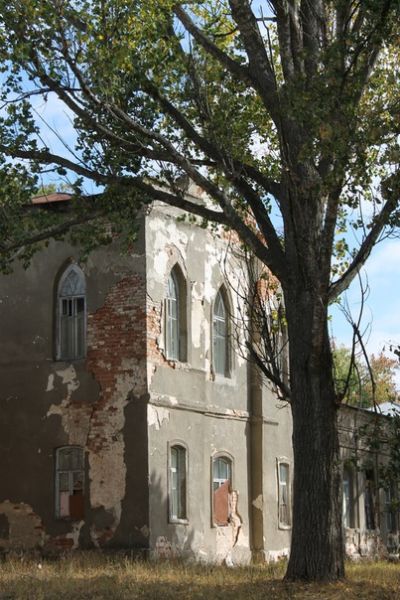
(283, 494)
(348, 497)
(369, 499)
(222, 479)
(70, 482)
(177, 484)
(391, 509)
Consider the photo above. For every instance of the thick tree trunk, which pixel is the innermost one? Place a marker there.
(317, 551)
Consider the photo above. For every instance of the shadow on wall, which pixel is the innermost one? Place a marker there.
(168, 540)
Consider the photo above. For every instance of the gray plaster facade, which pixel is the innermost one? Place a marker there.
(126, 405)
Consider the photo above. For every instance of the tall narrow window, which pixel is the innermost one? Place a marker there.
(175, 316)
(369, 497)
(172, 318)
(348, 497)
(177, 483)
(220, 336)
(71, 326)
(222, 481)
(390, 509)
(283, 494)
(70, 482)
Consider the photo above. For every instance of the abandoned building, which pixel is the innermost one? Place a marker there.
(127, 419)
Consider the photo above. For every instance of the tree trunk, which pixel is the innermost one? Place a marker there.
(317, 550)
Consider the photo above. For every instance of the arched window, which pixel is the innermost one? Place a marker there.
(71, 314)
(70, 482)
(175, 316)
(221, 360)
(221, 488)
(177, 483)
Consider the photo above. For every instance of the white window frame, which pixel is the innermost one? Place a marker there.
(284, 462)
(70, 473)
(218, 320)
(173, 518)
(71, 298)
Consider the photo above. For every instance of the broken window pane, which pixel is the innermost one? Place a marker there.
(70, 482)
(72, 315)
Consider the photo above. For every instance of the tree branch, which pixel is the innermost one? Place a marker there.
(339, 286)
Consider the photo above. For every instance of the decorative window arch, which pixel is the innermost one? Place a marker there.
(177, 482)
(220, 334)
(221, 472)
(70, 482)
(71, 314)
(176, 316)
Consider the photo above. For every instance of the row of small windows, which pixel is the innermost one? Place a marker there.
(70, 486)
(71, 320)
(390, 498)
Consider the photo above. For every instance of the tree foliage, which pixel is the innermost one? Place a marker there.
(361, 384)
(284, 112)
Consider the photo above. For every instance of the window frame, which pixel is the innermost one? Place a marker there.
(391, 513)
(70, 472)
(171, 445)
(285, 462)
(350, 512)
(370, 499)
(60, 298)
(222, 454)
(181, 319)
(228, 368)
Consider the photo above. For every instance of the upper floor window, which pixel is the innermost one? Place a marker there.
(175, 316)
(177, 483)
(71, 314)
(70, 482)
(221, 357)
(283, 494)
(221, 488)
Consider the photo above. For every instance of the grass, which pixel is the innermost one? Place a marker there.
(90, 576)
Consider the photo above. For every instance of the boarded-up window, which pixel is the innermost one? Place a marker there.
(177, 483)
(71, 326)
(70, 482)
(283, 494)
(222, 479)
(220, 336)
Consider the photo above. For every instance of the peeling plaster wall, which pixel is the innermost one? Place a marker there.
(186, 403)
(99, 403)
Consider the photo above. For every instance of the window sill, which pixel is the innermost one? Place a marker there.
(284, 527)
(224, 380)
(178, 521)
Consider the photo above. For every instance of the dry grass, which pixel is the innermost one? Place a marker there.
(93, 576)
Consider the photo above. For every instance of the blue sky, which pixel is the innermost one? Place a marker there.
(381, 318)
